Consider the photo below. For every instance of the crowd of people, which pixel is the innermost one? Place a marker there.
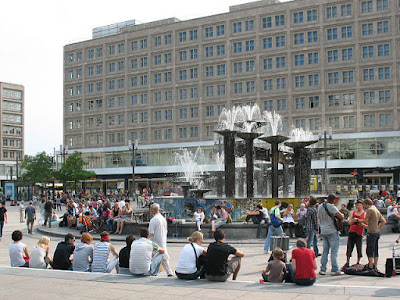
(145, 256)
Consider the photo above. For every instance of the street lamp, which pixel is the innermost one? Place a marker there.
(63, 152)
(325, 136)
(133, 145)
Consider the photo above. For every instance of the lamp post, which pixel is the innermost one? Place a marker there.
(64, 152)
(325, 136)
(133, 146)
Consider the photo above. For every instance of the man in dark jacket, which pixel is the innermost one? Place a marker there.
(61, 259)
(48, 212)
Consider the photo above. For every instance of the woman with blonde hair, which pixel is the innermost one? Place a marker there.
(83, 254)
(40, 254)
(187, 267)
(198, 216)
(126, 216)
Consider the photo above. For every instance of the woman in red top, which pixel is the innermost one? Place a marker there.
(303, 265)
(356, 233)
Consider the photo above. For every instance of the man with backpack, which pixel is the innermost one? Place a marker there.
(276, 224)
(327, 212)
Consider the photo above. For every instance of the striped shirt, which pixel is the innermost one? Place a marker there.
(100, 257)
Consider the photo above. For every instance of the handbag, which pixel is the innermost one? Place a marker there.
(200, 260)
(336, 221)
(274, 220)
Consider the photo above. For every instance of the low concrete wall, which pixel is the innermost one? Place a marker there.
(232, 230)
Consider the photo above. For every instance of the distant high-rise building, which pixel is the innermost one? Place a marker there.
(12, 128)
(320, 64)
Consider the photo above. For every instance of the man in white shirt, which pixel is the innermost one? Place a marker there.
(158, 233)
(393, 214)
(122, 203)
(142, 261)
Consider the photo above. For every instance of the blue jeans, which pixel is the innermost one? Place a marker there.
(313, 238)
(303, 281)
(272, 231)
(111, 224)
(330, 242)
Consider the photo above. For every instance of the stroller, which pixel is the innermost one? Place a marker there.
(393, 263)
(87, 225)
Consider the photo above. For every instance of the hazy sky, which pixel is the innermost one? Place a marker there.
(32, 36)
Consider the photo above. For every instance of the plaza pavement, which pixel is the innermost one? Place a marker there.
(21, 283)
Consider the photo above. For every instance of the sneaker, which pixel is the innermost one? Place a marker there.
(244, 222)
(338, 273)
(266, 252)
(322, 273)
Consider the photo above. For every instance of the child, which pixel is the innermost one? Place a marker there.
(276, 269)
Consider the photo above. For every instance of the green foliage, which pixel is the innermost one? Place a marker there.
(72, 169)
(37, 169)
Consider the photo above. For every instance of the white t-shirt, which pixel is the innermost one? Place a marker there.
(187, 260)
(265, 213)
(198, 216)
(121, 204)
(37, 256)
(288, 218)
(16, 251)
(390, 211)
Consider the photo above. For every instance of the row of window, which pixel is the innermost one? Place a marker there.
(12, 155)
(12, 94)
(12, 143)
(11, 130)
(334, 33)
(10, 118)
(7, 105)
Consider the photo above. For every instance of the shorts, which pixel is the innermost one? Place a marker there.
(232, 266)
(372, 244)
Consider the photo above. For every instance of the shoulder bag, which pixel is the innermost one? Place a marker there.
(336, 221)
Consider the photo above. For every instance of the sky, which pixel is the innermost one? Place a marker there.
(32, 37)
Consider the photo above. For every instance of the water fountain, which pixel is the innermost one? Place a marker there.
(300, 142)
(229, 122)
(275, 122)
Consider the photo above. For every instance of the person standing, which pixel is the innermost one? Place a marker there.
(48, 212)
(356, 233)
(158, 234)
(21, 212)
(329, 234)
(311, 226)
(3, 218)
(30, 216)
(374, 221)
(276, 224)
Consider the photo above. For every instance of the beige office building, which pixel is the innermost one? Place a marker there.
(12, 128)
(319, 64)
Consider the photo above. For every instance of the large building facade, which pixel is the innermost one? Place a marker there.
(12, 129)
(320, 64)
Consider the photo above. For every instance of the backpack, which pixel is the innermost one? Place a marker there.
(274, 220)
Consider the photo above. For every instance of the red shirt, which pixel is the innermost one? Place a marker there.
(304, 263)
(357, 227)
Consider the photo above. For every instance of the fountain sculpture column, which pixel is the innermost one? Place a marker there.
(249, 137)
(229, 154)
(274, 140)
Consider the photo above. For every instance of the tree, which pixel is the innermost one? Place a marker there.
(72, 170)
(37, 169)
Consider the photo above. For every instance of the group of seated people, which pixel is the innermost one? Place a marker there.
(143, 257)
(85, 214)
